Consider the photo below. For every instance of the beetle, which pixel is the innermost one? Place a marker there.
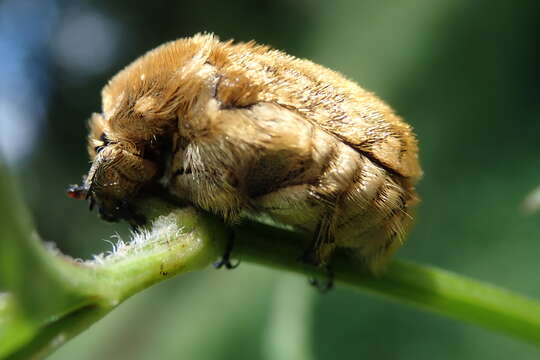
(240, 128)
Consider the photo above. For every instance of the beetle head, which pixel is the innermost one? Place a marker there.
(114, 180)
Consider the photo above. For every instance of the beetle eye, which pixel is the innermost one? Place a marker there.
(105, 141)
(97, 149)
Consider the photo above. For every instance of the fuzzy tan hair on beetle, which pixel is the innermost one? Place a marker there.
(241, 128)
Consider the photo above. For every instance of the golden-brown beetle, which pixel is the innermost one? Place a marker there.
(241, 128)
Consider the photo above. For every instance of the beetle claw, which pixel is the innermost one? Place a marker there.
(225, 260)
(327, 285)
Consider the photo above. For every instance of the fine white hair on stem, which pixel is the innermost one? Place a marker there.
(162, 230)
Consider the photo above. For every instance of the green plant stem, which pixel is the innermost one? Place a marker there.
(425, 287)
(185, 241)
(193, 239)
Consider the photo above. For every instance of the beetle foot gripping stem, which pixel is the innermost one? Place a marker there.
(327, 284)
(225, 260)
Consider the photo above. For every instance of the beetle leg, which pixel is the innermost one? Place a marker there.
(327, 285)
(320, 251)
(225, 260)
(121, 210)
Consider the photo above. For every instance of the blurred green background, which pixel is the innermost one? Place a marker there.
(465, 74)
